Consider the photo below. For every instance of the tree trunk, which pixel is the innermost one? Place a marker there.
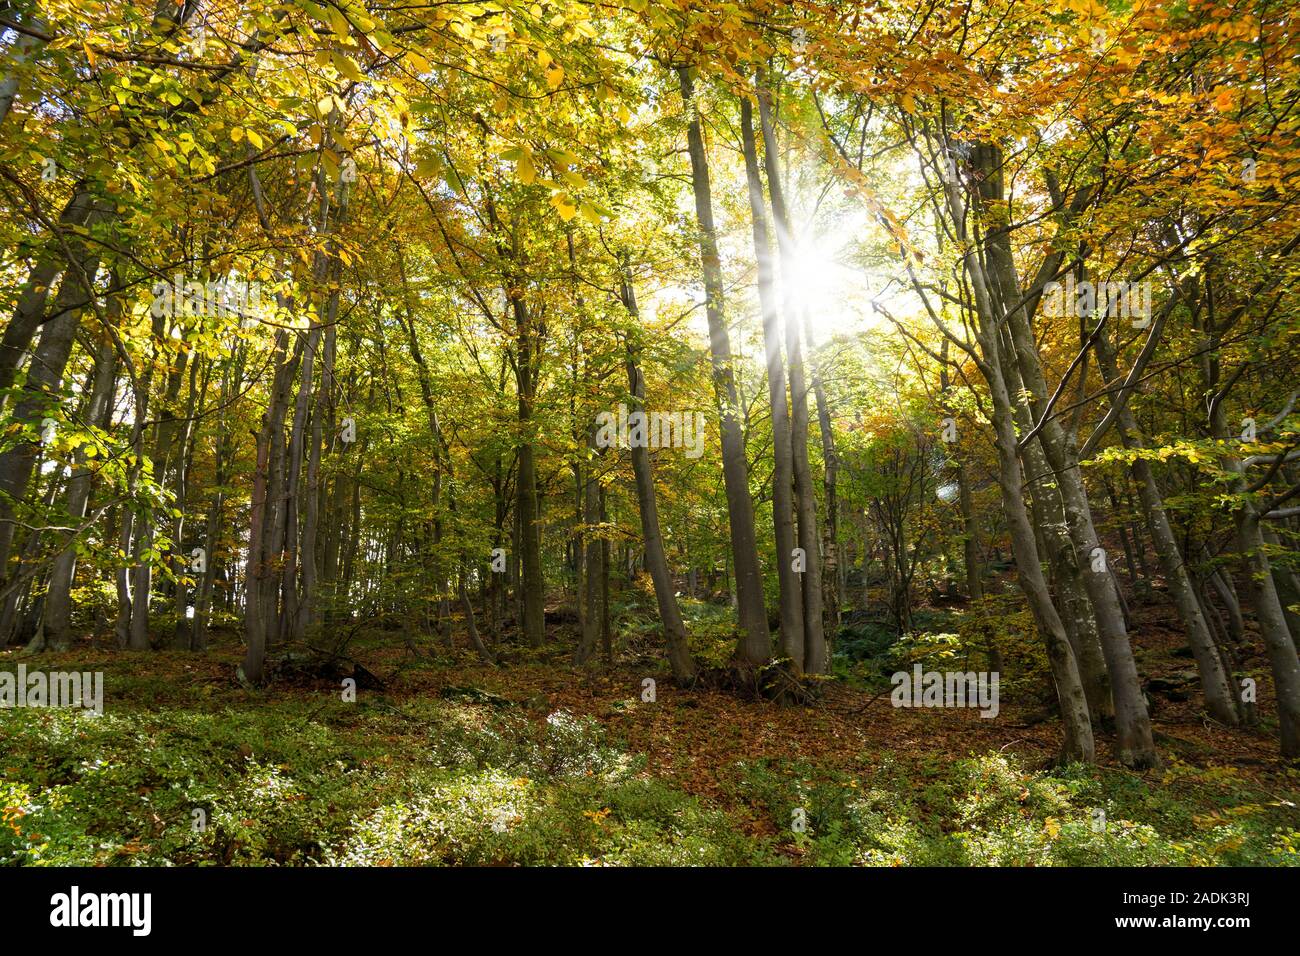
(755, 642)
(58, 603)
(1002, 288)
(791, 589)
(805, 498)
(1220, 700)
(679, 651)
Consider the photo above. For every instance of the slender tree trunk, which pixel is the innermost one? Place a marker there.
(468, 607)
(679, 651)
(1132, 724)
(755, 643)
(1057, 545)
(591, 618)
(805, 498)
(80, 212)
(257, 578)
(1078, 743)
(791, 588)
(606, 625)
(58, 602)
(532, 585)
(164, 436)
(1220, 701)
(40, 391)
(1284, 581)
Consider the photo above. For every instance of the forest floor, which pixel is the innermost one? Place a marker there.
(537, 762)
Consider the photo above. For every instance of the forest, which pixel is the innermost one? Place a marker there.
(649, 432)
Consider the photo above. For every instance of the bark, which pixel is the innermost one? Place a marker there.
(679, 652)
(257, 575)
(1220, 700)
(832, 564)
(532, 585)
(308, 611)
(971, 563)
(815, 657)
(1253, 555)
(164, 435)
(591, 618)
(1284, 581)
(467, 606)
(29, 313)
(1272, 627)
(26, 626)
(232, 381)
(291, 624)
(1136, 748)
(755, 642)
(58, 604)
(1056, 544)
(606, 626)
(1078, 743)
(40, 396)
(180, 560)
(1221, 582)
(791, 588)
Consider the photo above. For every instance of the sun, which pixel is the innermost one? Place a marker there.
(833, 294)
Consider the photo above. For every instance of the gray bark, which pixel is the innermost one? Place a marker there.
(679, 652)
(791, 588)
(815, 658)
(1220, 701)
(58, 602)
(755, 643)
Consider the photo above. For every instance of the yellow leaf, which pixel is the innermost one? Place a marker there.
(338, 22)
(564, 206)
(348, 68)
(525, 168)
(555, 76)
(255, 138)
